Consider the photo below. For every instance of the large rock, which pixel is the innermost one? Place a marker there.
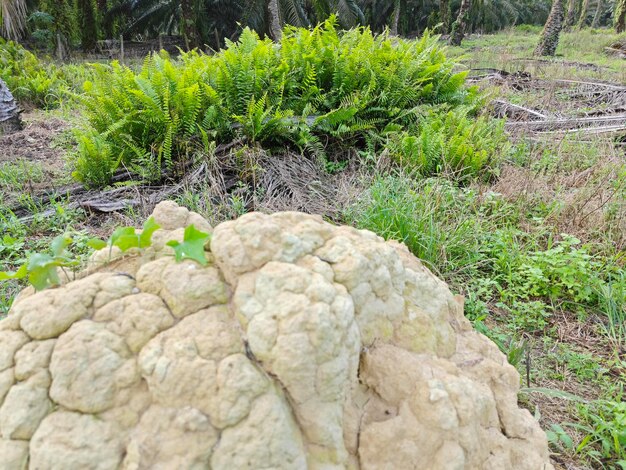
(299, 345)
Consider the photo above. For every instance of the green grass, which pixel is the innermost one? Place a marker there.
(510, 49)
(17, 176)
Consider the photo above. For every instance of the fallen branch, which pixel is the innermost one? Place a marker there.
(568, 124)
(510, 110)
(588, 130)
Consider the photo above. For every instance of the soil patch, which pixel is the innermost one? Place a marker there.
(35, 143)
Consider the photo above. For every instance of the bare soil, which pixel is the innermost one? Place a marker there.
(36, 143)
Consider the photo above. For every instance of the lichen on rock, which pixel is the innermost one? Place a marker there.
(300, 345)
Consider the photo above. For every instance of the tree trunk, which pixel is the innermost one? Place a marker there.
(550, 36)
(620, 16)
(571, 13)
(273, 20)
(582, 19)
(395, 19)
(460, 25)
(596, 18)
(61, 48)
(444, 15)
(190, 30)
(9, 112)
(88, 27)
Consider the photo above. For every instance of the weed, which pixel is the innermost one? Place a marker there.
(16, 176)
(605, 432)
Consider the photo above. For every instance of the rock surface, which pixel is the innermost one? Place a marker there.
(300, 345)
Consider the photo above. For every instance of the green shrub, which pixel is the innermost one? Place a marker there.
(342, 89)
(30, 81)
(452, 143)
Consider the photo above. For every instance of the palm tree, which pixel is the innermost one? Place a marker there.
(274, 23)
(596, 18)
(189, 24)
(550, 36)
(620, 16)
(88, 26)
(460, 25)
(444, 15)
(582, 19)
(571, 13)
(12, 18)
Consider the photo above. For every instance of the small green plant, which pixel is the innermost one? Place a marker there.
(41, 269)
(126, 238)
(192, 246)
(605, 429)
(558, 437)
(452, 143)
(28, 79)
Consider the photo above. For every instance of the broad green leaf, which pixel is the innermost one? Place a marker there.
(59, 244)
(96, 243)
(149, 227)
(8, 240)
(19, 274)
(125, 238)
(42, 271)
(192, 247)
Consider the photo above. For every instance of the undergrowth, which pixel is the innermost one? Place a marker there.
(474, 242)
(318, 91)
(30, 81)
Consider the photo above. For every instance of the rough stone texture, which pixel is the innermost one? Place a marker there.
(14, 455)
(300, 345)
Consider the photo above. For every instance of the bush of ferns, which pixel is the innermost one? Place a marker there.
(318, 90)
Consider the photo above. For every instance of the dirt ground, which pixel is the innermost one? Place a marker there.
(38, 143)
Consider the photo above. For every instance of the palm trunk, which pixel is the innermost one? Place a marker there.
(596, 18)
(273, 20)
(88, 26)
(460, 25)
(620, 16)
(571, 13)
(395, 19)
(582, 19)
(190, 31)
(550, 36)
(444, 15)
(9, 112)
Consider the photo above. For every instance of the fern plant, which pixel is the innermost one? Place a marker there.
(452, 142)
(346, 88)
